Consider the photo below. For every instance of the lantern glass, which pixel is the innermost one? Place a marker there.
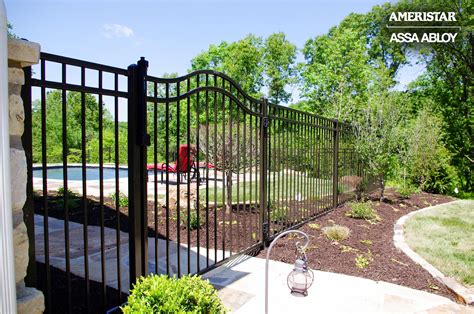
(301, 278)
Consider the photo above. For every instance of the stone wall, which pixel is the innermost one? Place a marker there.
(21, 53)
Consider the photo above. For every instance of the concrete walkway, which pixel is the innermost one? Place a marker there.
(242, 288)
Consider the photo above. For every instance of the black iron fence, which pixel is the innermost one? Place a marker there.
(131, 174)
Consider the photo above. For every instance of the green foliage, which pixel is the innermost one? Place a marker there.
(362, 210)
(340, 65)
(377, 136)
(70, 193)
(361, 261)
(10, 32)
(253, 63)
(336, 233)
(74, 132)
(280, 215)
(448, 84)
(366, 242)
(241, 60)
(122, 199)
(429, 161)
(406, 191)
(162, 294)
(72, 198)
(278, 61)
(195, 221)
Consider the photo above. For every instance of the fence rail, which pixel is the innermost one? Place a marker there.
(200, 173)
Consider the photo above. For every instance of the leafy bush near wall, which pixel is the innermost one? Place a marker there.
(429, 161)
(163, 294)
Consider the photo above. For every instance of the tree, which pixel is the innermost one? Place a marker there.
(228, 154)
(241, 60)
(448, 83)
(253, 63)
(54, 128)
(336, 74)
(279, 57)
(341, 66)
(10, 32)
(377, 137)
(429, 160)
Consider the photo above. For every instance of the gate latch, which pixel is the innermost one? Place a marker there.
(146, 141)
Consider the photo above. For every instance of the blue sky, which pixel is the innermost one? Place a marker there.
(170, 33)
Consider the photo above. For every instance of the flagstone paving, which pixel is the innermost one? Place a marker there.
(57, 249)
(242, 289)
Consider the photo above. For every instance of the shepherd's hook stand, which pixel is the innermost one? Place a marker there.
(268, 256)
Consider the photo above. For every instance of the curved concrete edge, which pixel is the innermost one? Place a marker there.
(462, 293)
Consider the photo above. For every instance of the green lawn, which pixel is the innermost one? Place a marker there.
(444, 237)
(285, 187)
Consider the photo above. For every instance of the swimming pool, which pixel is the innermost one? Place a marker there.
(74, 173)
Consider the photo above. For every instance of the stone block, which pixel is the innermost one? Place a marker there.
(18, 178)
(29, 301)
(17, 115)
(22, 52)
(16, 76)
(20, 247)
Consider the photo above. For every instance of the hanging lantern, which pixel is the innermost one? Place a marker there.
(301, 278)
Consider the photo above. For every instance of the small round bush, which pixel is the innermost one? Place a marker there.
(163, 294)
(336, 232)
(362, 210)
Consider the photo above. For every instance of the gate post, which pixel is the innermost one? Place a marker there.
(263, 171)
(138, 140)
(335, 163)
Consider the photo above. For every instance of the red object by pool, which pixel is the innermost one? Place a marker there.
(184, 164)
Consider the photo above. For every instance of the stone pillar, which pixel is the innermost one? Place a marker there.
(21, 54)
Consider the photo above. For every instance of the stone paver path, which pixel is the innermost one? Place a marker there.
(76, 248)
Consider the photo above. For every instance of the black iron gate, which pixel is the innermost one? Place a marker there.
(131, 174)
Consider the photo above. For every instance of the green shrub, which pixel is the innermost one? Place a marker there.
(194, 222)
(70, 193)
(122, 199)
(362, 210)
(361, 261)
(429, 162)
(72, 198)
(280, 215)
(163, 294)
(406, 191)
(336, 232)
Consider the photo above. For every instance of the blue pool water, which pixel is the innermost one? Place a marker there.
(75, 173)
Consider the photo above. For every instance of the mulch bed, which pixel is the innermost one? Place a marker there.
(388, 263)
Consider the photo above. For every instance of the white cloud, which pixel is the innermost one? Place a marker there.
(116, 31)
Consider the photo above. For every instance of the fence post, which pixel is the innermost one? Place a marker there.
(263, 170)
(335, 163)
(138, 140)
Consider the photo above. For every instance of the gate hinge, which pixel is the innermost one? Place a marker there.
(265, 122)
(265, 230)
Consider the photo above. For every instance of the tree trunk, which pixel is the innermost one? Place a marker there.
(382, 187)
(228, 184)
